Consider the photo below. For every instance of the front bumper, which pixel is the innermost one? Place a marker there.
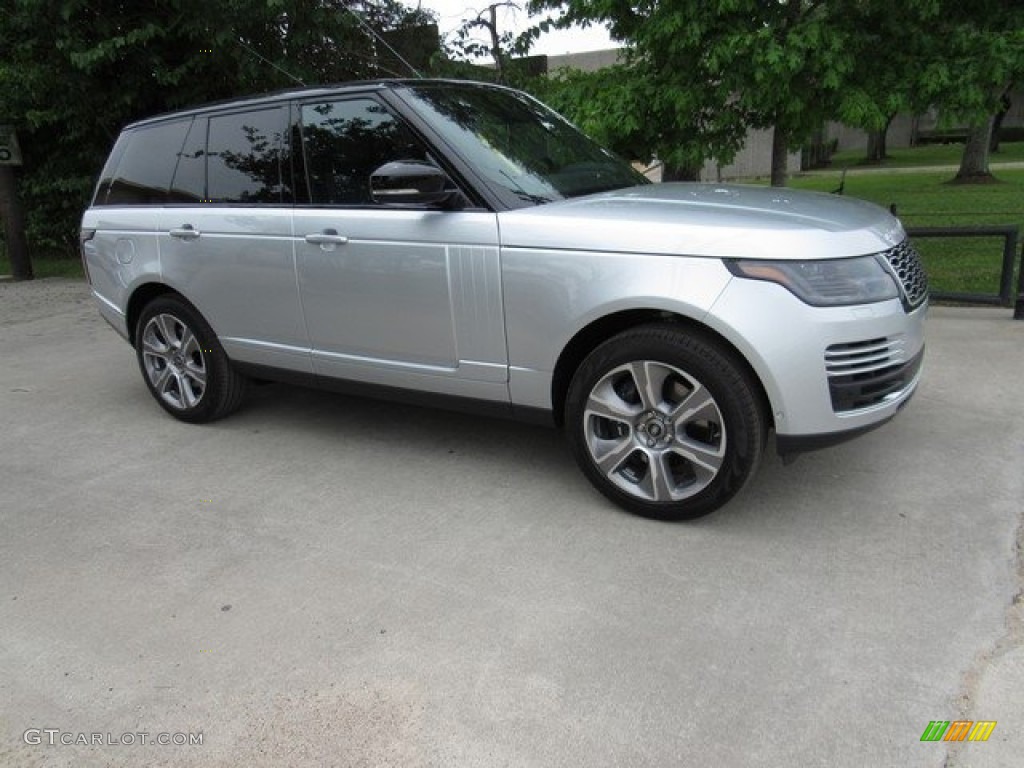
(830, 373)
(791, 446)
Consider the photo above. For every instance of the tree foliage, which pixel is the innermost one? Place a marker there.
(500, 45)
(698, 74)
(977, 51)
(703, 72)
(487, 36)
(959, 58)
(75, 71)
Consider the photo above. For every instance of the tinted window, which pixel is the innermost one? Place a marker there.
(144, 173)
(345, 142)
(244, 154)
(109, 168)
(189, 185)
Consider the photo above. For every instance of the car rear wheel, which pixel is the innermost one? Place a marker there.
(183, 364)
(665, 421)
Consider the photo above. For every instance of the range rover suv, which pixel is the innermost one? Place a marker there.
(461, 242)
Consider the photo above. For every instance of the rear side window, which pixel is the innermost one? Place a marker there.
(244, 157)
(109, 169)
(143, 173)
(345, 142)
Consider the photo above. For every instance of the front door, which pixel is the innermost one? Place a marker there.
(393, 296)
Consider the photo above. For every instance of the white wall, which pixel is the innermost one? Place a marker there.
(590, 61)
(755, 159)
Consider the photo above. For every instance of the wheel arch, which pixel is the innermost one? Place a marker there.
(599, 331)
(140, 297)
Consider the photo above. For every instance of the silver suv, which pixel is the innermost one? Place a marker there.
(461, 242)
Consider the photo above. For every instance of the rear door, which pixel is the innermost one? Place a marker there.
(226, 235)
(125, 214)
(396, 296)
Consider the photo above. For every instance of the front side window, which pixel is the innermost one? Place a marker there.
(244, 156)
(144, 172)
(344, 142)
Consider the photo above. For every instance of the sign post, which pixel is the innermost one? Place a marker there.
(10, 205)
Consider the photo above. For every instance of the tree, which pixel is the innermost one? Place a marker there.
(701, 74)
(499, 45)
(625, 109)
(76, 71)
(957, 57)
(889, 41)
(506, 49)
(997, 123)
(714, 69)
(978, 51)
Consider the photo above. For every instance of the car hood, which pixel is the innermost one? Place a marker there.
(717, 220)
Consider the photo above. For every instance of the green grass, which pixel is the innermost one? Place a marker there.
(926, 199)
(931, 154)
(48, 267)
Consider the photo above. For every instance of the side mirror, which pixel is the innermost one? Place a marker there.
(410, 182)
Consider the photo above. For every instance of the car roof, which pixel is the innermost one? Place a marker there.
(312, 91)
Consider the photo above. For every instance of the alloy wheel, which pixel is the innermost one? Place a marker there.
(654, 431)
(173, 361)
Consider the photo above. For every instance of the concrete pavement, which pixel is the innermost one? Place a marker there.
(321, 580)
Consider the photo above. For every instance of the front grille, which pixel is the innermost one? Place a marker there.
(865, 373)
(906, 264)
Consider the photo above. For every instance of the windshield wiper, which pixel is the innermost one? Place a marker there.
(538, 199)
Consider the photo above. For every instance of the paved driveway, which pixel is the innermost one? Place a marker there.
(330, 581)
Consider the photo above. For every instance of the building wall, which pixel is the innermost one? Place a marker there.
(755, 159)
(901, 132)
(589, 61)
(1015, 117)
(905, 128)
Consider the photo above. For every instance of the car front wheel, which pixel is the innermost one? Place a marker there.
(183, 364)
(665, 421)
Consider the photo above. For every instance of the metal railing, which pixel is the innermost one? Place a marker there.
(1006, 296)
(1018, 305)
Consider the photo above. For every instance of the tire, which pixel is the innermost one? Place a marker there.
(663, 397)
(186, 369)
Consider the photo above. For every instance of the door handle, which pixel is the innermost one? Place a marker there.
(327, 237)
(185, 232)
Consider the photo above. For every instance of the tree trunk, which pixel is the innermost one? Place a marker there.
(496, 53)
(997, 124)
(14, 225)
(671, 172)
(780, 157)
(877, 143)
(974, 163)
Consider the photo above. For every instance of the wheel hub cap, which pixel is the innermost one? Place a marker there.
(654, 430)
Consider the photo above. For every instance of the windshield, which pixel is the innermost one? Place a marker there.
(525, 152)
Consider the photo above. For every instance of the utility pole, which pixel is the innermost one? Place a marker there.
(10, 206)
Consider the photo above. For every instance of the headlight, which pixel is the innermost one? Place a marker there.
(824, 283)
